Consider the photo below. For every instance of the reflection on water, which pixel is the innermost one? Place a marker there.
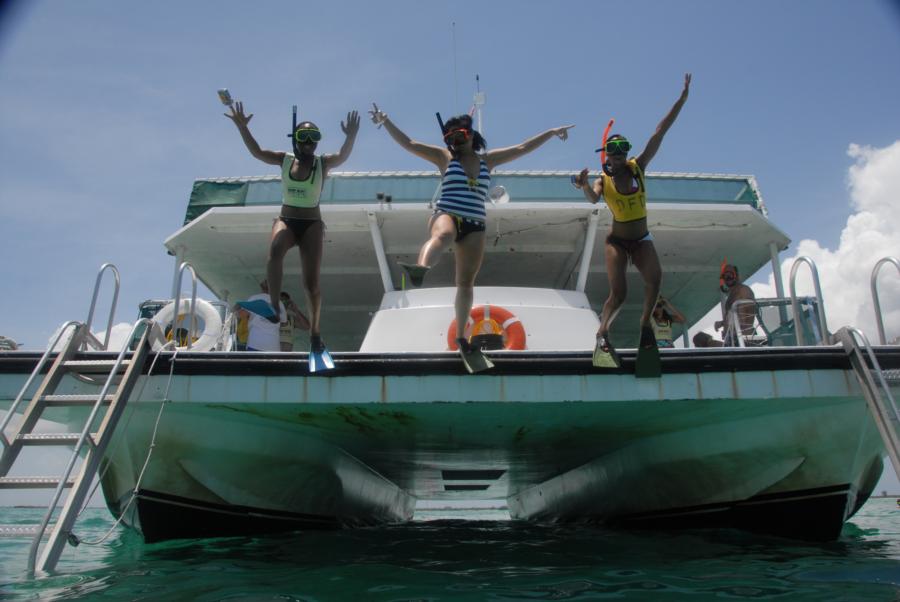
(442, 558)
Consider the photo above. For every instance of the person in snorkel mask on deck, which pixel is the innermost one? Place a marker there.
(622, 187)
(300, 223)
(459, 217)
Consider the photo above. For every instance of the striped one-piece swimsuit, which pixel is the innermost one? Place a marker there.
(463, 197)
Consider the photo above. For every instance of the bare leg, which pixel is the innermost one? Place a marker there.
(281, 242)
(443, 231)
(647, 262)
(469, 254)
(616, 264)
(311, 248)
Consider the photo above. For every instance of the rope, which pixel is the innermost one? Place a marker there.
(73, 539)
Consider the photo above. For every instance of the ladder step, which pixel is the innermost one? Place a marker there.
(32, 482)
(95, 365)
(53, 438)
(79, 400)
(21, 530)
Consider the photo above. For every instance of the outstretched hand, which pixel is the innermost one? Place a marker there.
(563, 132)
(351, 127)
(237, 115)
(687, 85)
(581, 180)
(378, 116)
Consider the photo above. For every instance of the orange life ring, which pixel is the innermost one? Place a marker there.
(485, 319)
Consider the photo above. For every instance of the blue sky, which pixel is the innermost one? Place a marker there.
(108, 110)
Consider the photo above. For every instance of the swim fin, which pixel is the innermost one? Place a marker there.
(472, 357)
(319, 357)
(261, 308)
(415, 272)
(605, 355)
(647, 364)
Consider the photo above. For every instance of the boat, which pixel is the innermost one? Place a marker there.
(777, 434)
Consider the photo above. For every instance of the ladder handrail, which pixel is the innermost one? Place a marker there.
(185, 266)
(795, 305)
(85, 434)
(112, 308)
(873, 284)
(851, 337)
(34, 373)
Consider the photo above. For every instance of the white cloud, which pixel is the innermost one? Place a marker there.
(871, 233)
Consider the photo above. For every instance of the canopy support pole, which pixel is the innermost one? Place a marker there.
(380, 255)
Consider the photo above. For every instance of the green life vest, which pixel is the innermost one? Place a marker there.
(301, 193)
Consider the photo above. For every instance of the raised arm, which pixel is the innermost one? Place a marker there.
(656, 139)
(350, 129)
(592, 192)
(677, 316)
(505, 155)
(241, 120)
(434, 154)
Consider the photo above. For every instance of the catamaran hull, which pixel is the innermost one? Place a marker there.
(774, 441)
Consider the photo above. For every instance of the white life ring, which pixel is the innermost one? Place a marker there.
(205, 313)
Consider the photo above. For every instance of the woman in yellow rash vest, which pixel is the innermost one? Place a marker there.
(300, 223)
(622, 187)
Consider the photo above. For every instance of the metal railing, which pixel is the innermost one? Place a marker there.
(112, 307)
(795, 305)
(85, 437)
(875, 389)
(193, 322)
(734, 322)
(873, 284)
(34, 373)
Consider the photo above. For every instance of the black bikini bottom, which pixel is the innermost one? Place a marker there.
(464, 225)
(299, 226)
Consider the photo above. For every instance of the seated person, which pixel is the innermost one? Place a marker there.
(730, 282)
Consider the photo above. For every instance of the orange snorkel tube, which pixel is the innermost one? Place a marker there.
(602, 149)
(722, 267)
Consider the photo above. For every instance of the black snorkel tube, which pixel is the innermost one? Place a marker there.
(294, 129)
(441, 123)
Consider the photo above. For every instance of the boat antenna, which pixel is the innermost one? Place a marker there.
(478, 101)
(455, 78)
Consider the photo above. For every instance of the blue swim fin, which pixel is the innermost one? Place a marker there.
(261, 308)
(319, 357)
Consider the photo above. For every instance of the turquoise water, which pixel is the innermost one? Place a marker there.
(447, 558)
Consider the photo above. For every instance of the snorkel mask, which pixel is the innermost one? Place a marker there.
(460, 125)
(726, 267)
(618, 145)
(307, 133)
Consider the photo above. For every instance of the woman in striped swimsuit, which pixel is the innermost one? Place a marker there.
(459, 217)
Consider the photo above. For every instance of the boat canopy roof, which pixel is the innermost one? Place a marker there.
(536, 237)
(419, 187)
